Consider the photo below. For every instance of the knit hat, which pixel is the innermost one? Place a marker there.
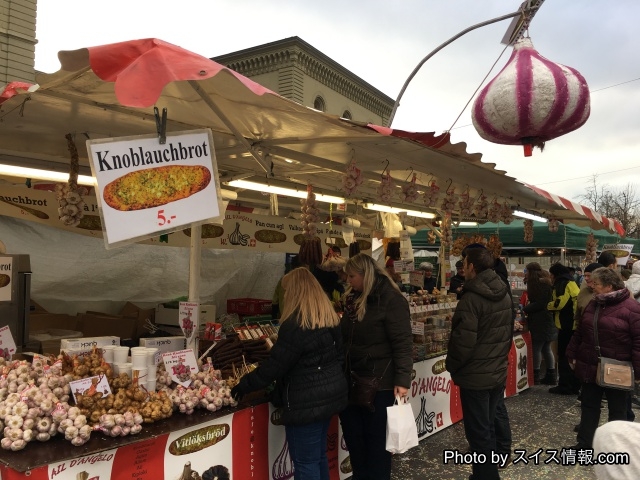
(591, 267)
(425, 266)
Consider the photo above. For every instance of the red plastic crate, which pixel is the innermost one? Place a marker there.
(248, 306)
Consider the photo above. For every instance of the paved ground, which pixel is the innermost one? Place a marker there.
(539, 420)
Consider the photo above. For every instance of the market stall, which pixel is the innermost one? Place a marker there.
(255, 134)
(248, 441)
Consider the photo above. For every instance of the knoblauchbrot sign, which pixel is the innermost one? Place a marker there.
(6, 265)
(145, 189)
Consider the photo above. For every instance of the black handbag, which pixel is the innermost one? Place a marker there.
(362, 391)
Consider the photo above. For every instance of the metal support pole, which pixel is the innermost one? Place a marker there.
(522, 11)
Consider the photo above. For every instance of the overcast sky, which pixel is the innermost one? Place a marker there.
(382, 42)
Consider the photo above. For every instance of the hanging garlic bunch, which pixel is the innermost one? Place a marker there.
(553, 225)
(481, 208)
(70, 204)
(309, 210)
(431, 237)
(494, 246)
(495, 211)
(410, 190)
(449, 201)
(590, 250)
(351, 179)
(384, 189)
(465, 203)
(445, 229)
(431, 195)
(528, 231)
(507, 213)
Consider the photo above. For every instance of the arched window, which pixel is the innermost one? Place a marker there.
(318, 104)
(347, 114)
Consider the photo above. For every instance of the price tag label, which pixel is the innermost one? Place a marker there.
(188, 318)
(180, 365)
(7, 343)
(97, 387)
(417, 328)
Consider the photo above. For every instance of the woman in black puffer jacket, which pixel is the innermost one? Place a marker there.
(540, 322)
(306, 361)
(376, 327)
(617, 317)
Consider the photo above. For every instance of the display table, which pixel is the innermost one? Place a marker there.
(248, 441)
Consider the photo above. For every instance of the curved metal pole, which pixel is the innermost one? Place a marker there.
(452, 39)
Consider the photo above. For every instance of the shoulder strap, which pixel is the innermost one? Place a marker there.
(595, 328)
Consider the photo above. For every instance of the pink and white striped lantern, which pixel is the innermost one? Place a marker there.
(532, 100)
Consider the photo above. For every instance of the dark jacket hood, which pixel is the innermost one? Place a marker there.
(487, 284)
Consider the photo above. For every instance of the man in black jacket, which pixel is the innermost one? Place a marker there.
(477, 356)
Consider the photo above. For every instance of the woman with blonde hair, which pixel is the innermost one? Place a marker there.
(306, 363)
(376, 328)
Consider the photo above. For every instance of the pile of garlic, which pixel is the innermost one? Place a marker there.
(207, 390)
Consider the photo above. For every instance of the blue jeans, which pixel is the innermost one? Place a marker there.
(308, 450)
(478, 413)
(365, 435)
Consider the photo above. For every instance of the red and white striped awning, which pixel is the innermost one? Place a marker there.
(609, 223)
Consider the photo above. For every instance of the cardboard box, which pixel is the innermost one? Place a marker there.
(165, 344)
(169, 316)
(94, 325)
(142, 317)
(87, 343)
(166, 316)
(39, 322)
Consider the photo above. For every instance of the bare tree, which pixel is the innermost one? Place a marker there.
(621, 204)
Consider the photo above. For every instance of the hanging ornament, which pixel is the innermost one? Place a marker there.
(430, 197)
(465, 203)
(481, 208)
(410, 190)
(507, 214)
(384, 189)
(532, 100)
(352, 177)
(449, 201)
(495, 210)
(590, 249)
(528, 231)
(431, 237)
(553, 225)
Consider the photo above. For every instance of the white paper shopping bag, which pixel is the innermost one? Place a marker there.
(402, 433)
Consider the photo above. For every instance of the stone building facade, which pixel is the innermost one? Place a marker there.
(297, 71)
(17, 41)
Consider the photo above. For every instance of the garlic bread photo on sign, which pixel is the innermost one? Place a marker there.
(153, 187)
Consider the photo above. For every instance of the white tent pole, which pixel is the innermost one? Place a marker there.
(195, 254)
